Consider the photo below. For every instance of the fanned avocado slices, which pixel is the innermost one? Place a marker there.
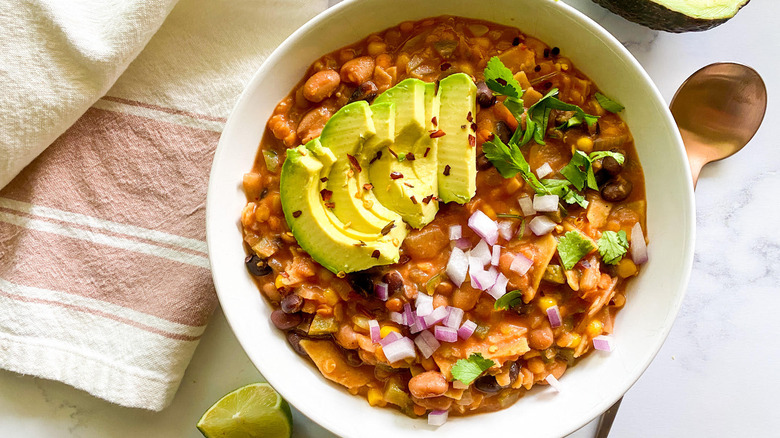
(676, 15)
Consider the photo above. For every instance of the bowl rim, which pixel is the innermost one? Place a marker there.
(687, 251)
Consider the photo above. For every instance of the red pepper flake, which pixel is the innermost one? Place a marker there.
(387, 228)
(434, 121)
(324, 179)
(396, 175)
(354, 162)
(375, 254)
(408, 185)
(330, 204)
(414, 200)
(469, 117)
(368, 186)
(438, 133)
(392, 152)
(501, 81)
(427, 199)
(326, 194)
(462, 126)
(410, 156)
(445, 66)
(378, 156)
(425, 155)
(474, 126)
(447, 170)
(360, 244)
(297, 213)
(472, 141)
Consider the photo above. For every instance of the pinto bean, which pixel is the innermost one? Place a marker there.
(366, 91)
(312, 123)
(321, 85)
(541, 338)
(358, 70)
(428, 384)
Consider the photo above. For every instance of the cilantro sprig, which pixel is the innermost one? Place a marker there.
(613, 246)
(538, 115)
(572, 247)
(467, 370)
(608, 104)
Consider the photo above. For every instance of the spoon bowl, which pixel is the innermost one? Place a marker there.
(718, 110)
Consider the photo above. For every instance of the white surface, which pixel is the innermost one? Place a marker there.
(713, 377)
(656, 294)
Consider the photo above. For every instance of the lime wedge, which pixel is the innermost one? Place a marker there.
(254, 411)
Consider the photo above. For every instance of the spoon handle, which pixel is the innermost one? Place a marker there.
(696, 161)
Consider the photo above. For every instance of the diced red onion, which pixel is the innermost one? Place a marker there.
(482, 279)
(408, 314)
(526, 206)
(521, 264)
(467, 329)
(554, 315)
(424, 304)
(417, 326)
(397, 317)
(373, 330)
(456, 232)
(436, 316)
(553, 382)
(546, 202)
(638, 245)
(496, 255)
(481, 252)
(445, 334)
(457, 384)
(485, 227)
(437, 418)
(498, 290)
(541, 225)
(544, 170)
(463, 243)
(427, 343)
(391, 337)
(505, 230)
(454, 317)
(603, 343)
(381, 291)
(399, 349)
(457, 266)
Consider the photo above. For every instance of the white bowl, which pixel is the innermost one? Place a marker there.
(653, 298)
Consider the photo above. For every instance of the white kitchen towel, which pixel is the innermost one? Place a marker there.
(104, 275)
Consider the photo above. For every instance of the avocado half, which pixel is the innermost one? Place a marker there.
(675, 15)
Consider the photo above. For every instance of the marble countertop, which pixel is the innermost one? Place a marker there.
(713, 377)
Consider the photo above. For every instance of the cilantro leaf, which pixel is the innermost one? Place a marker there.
(467, 370)
(577, 170)
(613, 246)
(608, 104)
(509, 300)
(572, 247)
(509, 161)
(572, 197)
(538, 116)
(501, 80)
(601, 154)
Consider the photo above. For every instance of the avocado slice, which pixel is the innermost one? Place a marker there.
(354, 205)
(313, 226)
(457, 151)
(404, 173)
(675, 15)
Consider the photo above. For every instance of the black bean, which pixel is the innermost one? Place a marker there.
(487, 384)
(485, 97)
(611, 166)
(362, 282)
(285, 321)
(503, 131)
(483, 163)
(395, 282)
(292, 303)
(257, 266)
(617, 189)
(514, 371)
(366, 91)
(294, 338)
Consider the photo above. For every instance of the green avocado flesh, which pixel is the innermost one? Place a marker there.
(675, 15)
(349, 194)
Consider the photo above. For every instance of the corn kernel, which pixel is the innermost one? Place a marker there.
(585, 144)
(626, 268)
(594, 328)
(569, 340)
(492, 349)
(279, 282)
(386, 330)
(375, 397)
(512, 185)
(547, 302)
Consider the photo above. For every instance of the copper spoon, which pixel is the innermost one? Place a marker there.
(718, 109)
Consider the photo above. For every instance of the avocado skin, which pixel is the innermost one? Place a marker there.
(652, 15)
